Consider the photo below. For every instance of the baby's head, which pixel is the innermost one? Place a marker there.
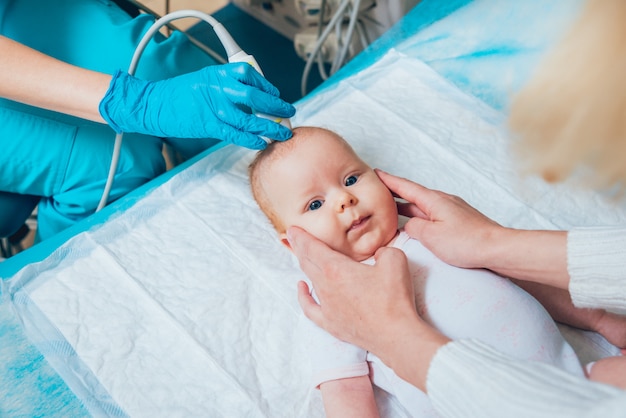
(316, 181)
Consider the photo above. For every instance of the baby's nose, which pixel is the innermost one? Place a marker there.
(346, 200)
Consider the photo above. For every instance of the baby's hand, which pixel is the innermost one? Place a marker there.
(612, 327)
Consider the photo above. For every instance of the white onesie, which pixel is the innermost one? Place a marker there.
(461, 303)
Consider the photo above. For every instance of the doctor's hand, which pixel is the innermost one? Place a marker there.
(203, 104)
(372, 307)
(448, 226)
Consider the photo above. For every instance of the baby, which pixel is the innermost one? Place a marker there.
(317, 182)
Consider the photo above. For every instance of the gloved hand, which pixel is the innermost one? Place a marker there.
(202, 104)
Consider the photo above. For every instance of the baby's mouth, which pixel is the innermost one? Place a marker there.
(359, 223)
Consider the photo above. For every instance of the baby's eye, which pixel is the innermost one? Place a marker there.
(315, 205)
(351, 180)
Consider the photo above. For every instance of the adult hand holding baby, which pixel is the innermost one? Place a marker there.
(462, 236)
(372, 307)
(438, 218)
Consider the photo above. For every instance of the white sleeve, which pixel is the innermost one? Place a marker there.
(331, 358)
(469, 379)
(596, 260)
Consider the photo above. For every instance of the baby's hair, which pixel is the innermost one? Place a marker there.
(264, 159)
(257, 167)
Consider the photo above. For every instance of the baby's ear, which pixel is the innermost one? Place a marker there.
(284, 240)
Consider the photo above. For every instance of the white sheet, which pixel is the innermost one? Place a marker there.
(185, 304)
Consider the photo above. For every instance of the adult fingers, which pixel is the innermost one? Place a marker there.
(393, 262)
(310, 308)
(227, 133)
(317, 259)
(266, 103)
(259, 125)
(261, 95)
(247, 74)
(410, 210)
(412, 192)
(390, 256)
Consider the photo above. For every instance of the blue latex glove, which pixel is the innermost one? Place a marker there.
(203, 104)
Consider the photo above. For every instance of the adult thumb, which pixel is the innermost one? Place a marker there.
(417, 228)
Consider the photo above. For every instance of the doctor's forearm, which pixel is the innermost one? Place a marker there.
(30, 77)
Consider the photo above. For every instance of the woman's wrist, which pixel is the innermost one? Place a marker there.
(490, 245)
(531, 255)
(408, 347)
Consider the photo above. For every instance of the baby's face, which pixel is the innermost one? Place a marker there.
(324, 188)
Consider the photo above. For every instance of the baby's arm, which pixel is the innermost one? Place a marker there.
(559, 305)
(351, 397)
(610, 370)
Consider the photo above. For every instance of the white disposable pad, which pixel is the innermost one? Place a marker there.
(185, 304)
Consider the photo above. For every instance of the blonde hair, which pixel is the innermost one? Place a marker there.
(573, 112)
(274, 151)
